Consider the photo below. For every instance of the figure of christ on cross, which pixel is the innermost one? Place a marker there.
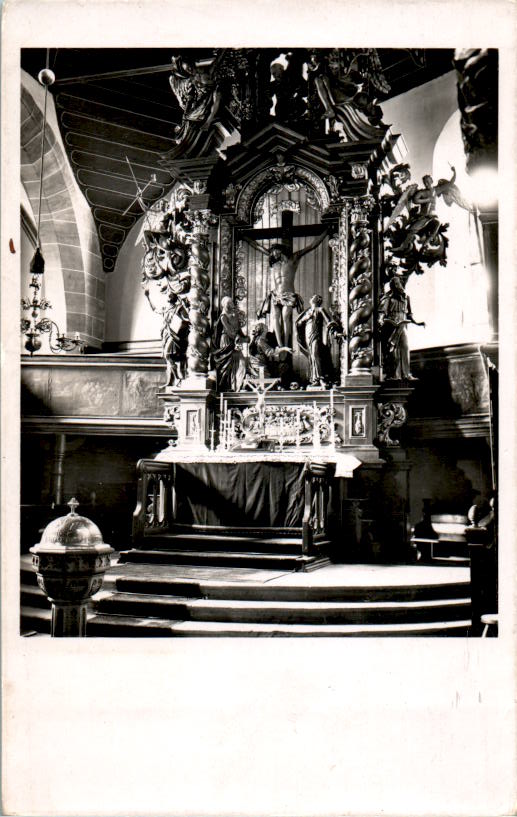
(283, 262)
(261, 385)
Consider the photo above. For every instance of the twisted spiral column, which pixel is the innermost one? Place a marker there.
(360, 288)
(199, 293)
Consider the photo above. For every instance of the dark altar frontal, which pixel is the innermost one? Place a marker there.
(278, 261)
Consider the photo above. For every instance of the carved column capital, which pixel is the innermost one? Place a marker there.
(202, 221)
(360, 209)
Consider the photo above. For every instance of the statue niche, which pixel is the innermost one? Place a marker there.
(281, 262)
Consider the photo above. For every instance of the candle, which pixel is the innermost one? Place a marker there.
(221, 405)
(332, 428)
(298, 427)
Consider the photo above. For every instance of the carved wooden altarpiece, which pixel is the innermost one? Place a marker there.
(283, 184)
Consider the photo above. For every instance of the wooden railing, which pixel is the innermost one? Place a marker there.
(156, 499)
(317, 493)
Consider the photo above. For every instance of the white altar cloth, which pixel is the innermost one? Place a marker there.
(345, 463)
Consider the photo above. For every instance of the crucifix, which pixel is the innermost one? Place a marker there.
(261, 385)
(73, 504)
(283, 262)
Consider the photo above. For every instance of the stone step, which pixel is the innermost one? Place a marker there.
(300, 612)
(35, 619)
(269, 561)
(32, 596)
(113, 626)
(28, 574)
(275, 590)
(227, 630)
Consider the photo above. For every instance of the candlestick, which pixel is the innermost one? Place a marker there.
(332, 427)
(316, 442)
(212, 438)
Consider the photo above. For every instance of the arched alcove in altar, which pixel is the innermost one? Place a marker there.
(282, 210)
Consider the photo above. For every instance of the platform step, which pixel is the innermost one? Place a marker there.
(268, 561)
(250, 590)
(227, 630)
(304, 612)
(116, 626)
(227, 543)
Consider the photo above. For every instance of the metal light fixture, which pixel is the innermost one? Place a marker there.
(38, 324)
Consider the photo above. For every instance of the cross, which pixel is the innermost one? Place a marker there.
(73, 504)
(261, 385)
(286, 232)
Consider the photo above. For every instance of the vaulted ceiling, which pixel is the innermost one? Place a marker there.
(117, 116)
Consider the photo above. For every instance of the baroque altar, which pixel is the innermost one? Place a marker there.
(278, 261)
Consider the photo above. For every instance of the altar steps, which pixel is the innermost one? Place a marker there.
(227, 542)
(280, 612)
(231, 548)
(249, 590)
(171, 601)
(37, 621)
(218, 558)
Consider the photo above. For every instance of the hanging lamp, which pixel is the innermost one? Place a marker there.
(38, 323)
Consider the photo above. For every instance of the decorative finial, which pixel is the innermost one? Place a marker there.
(73, 504)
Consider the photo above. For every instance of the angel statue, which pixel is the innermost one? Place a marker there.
(344, 94)
(415, 231)
(196, 89)
(314, 327)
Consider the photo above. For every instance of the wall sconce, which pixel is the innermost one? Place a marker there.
(38, 324)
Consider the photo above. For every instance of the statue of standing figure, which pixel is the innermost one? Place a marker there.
(314, 327)
(228, 358)
(394, 316)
